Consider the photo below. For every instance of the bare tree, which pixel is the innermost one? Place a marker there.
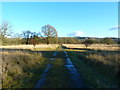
(88, 42)
(34, 39)
(49, 32)
(16, 38)
(5, 30)
(26, 35)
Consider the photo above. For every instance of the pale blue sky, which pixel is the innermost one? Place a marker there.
(59, 0)
(83, 18)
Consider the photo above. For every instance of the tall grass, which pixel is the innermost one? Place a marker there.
(42, 47)
(21, 69)
(105, 62)
(99, 69)
(111, 47)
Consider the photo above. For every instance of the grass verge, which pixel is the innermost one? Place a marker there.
(21, 69)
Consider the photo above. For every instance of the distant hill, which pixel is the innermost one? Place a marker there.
(89, 37)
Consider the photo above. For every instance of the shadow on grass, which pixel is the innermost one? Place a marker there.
(58, 76)
(27, 73)
(96, 65)
(95, 69)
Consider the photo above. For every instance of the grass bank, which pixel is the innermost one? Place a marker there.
(21, 69)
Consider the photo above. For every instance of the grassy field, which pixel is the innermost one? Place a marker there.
(22, 65)
(41, 47)
(98, 68)
(111, 47)
(22, 69)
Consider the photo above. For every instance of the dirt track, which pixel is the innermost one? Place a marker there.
(74, 74)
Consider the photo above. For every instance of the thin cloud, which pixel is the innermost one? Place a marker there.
(115, 27)
(76, 33)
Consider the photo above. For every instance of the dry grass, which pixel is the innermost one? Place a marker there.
(21, 69)
(98, 67)
(108, 62)
(41, 47)
(94, 46)
(44, 47)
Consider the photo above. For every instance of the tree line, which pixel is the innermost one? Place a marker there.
(48, 35)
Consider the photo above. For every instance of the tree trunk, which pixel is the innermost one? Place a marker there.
(47, 41)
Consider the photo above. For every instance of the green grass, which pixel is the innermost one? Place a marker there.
(58, 76)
